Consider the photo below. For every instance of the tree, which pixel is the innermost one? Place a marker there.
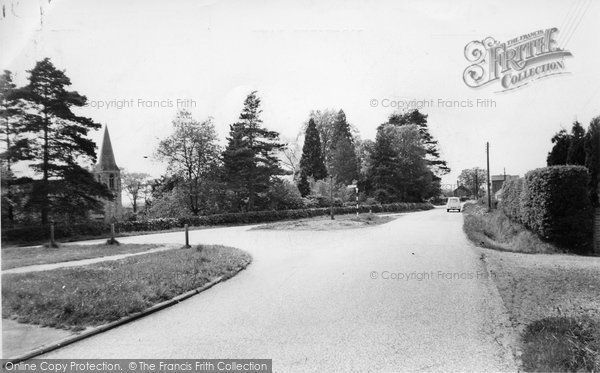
(399, 169)
(383, 171)
(312, 163)
(134, 184)
(343, 166)
(560, 149)
(290, 159)
(592, 158)
(576, 151)
(437, 165)
(303, 185)
(192, 153)
(250, 162)
(473, 179)
(57, 142)
(324, 120)
(10, 126)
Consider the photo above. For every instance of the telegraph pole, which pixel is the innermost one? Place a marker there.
(487, 151)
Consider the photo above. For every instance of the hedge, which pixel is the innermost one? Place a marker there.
(511, 198)
(40, 233)
(554, 203)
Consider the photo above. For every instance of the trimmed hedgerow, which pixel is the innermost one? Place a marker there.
(554, 203)
(511, 199)
(40, 233)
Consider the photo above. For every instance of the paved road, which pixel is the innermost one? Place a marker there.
(310, 303)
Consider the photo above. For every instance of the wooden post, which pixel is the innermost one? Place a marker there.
(113, 239)
(52, 240)
(187, 237)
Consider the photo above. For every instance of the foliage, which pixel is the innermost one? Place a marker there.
(473, 179)
(284, 195)
(342, 160)
(399, 170)
(512, 191)
(558, 154)
(312, 163)
(133, 185)
(576, 151)
(438, 166)
(250, 164)
(592, 159)
(303, 185)
(554, 203)
(192, 154)
(40, 233)
(56, 144)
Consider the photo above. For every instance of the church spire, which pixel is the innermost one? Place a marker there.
(106, 161)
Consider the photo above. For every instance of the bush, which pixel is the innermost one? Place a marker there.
(40, 233)
(554, 203)
(511, 198)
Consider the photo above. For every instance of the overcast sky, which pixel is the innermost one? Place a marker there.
(306, 55)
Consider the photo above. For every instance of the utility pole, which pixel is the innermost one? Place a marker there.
(487, 151)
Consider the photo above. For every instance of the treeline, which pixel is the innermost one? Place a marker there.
(256, 170)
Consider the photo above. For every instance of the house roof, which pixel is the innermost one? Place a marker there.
(106, 161)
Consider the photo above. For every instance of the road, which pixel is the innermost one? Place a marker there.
(310, 301)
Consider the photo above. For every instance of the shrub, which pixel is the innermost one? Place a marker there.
(40, 233)
(554, 203)
(557, 206)
(511, 198)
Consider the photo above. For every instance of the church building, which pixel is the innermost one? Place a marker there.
(108, 173)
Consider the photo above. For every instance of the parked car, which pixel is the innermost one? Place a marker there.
(453, 204)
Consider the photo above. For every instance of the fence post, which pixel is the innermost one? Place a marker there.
(187, 237)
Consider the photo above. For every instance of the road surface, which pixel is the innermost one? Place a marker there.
(409, 295)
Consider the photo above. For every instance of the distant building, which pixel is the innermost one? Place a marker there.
(108, 173)
(498, 181)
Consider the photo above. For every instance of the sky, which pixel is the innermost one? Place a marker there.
(149, 58)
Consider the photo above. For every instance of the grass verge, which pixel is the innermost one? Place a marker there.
(324, 223)
(79, 297)
(494, 230)
(562, 344)
(14, 257)
(554, 305)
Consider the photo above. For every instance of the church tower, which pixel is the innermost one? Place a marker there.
(108, 173)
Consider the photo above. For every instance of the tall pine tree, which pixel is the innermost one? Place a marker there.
(57, 143)
(312, 163)
(342, 161)
(250, 161)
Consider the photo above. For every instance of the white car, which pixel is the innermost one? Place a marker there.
(453, 204)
